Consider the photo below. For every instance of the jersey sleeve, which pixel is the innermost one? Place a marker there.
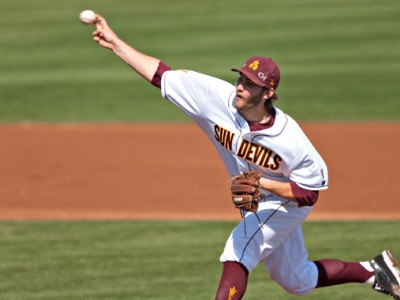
(193, 92)
(308, 170)
(162, 68)
(304, 197)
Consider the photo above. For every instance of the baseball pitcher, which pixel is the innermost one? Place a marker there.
(276, 174)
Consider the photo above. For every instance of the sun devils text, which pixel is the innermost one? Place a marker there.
(249, 151)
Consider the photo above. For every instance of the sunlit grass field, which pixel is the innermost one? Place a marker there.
(339, 59)
(161, 260)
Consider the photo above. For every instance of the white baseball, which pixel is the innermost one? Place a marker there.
(87, 17)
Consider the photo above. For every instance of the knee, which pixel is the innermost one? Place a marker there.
(296, 283)
(296, 289)
(299, 290)
(300, 279)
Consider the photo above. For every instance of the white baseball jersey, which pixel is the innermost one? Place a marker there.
(282, 152)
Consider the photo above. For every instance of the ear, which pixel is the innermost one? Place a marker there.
(269, 92)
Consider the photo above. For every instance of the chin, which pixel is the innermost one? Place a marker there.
(238, 103)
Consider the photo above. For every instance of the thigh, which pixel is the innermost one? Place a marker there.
(260, 233)
(288, 265)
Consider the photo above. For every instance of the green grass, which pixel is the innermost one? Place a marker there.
(339, 59)
(161, 260)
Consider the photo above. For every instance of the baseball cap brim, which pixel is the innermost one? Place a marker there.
(250, 75)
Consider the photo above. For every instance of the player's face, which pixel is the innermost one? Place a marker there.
(248, 93)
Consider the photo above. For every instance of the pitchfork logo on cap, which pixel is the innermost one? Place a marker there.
(254, 65)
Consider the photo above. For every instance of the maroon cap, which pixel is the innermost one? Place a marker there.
(261, 70)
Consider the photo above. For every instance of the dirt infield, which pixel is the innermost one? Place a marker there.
(126, 171)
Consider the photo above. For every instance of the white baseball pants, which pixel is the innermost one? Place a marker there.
(274, 236)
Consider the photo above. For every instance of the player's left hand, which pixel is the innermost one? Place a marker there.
(245, 190)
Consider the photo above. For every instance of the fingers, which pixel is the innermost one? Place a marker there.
(101, 22)
(99, 38)
(105, 44)
(103, 35)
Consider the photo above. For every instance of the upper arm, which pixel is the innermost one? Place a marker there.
(309, 170)
(193, 92)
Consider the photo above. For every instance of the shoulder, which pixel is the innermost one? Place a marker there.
(189, 75)
(194, 82)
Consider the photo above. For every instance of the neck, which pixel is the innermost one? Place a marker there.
(254, 115)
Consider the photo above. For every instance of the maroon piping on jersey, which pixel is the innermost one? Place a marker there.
(262, 126)
(303, 197)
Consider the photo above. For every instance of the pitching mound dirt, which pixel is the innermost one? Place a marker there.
(126, 171)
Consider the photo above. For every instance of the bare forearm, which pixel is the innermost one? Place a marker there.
(281, 189)
(144, 65)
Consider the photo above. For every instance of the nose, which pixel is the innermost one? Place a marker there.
(239, 86)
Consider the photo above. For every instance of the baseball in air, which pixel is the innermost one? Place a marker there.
(87, 17)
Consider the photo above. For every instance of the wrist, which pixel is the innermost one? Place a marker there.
(262, 182)
(119, 46)
(266, 184)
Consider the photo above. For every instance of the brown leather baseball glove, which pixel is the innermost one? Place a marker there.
(246, 190)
